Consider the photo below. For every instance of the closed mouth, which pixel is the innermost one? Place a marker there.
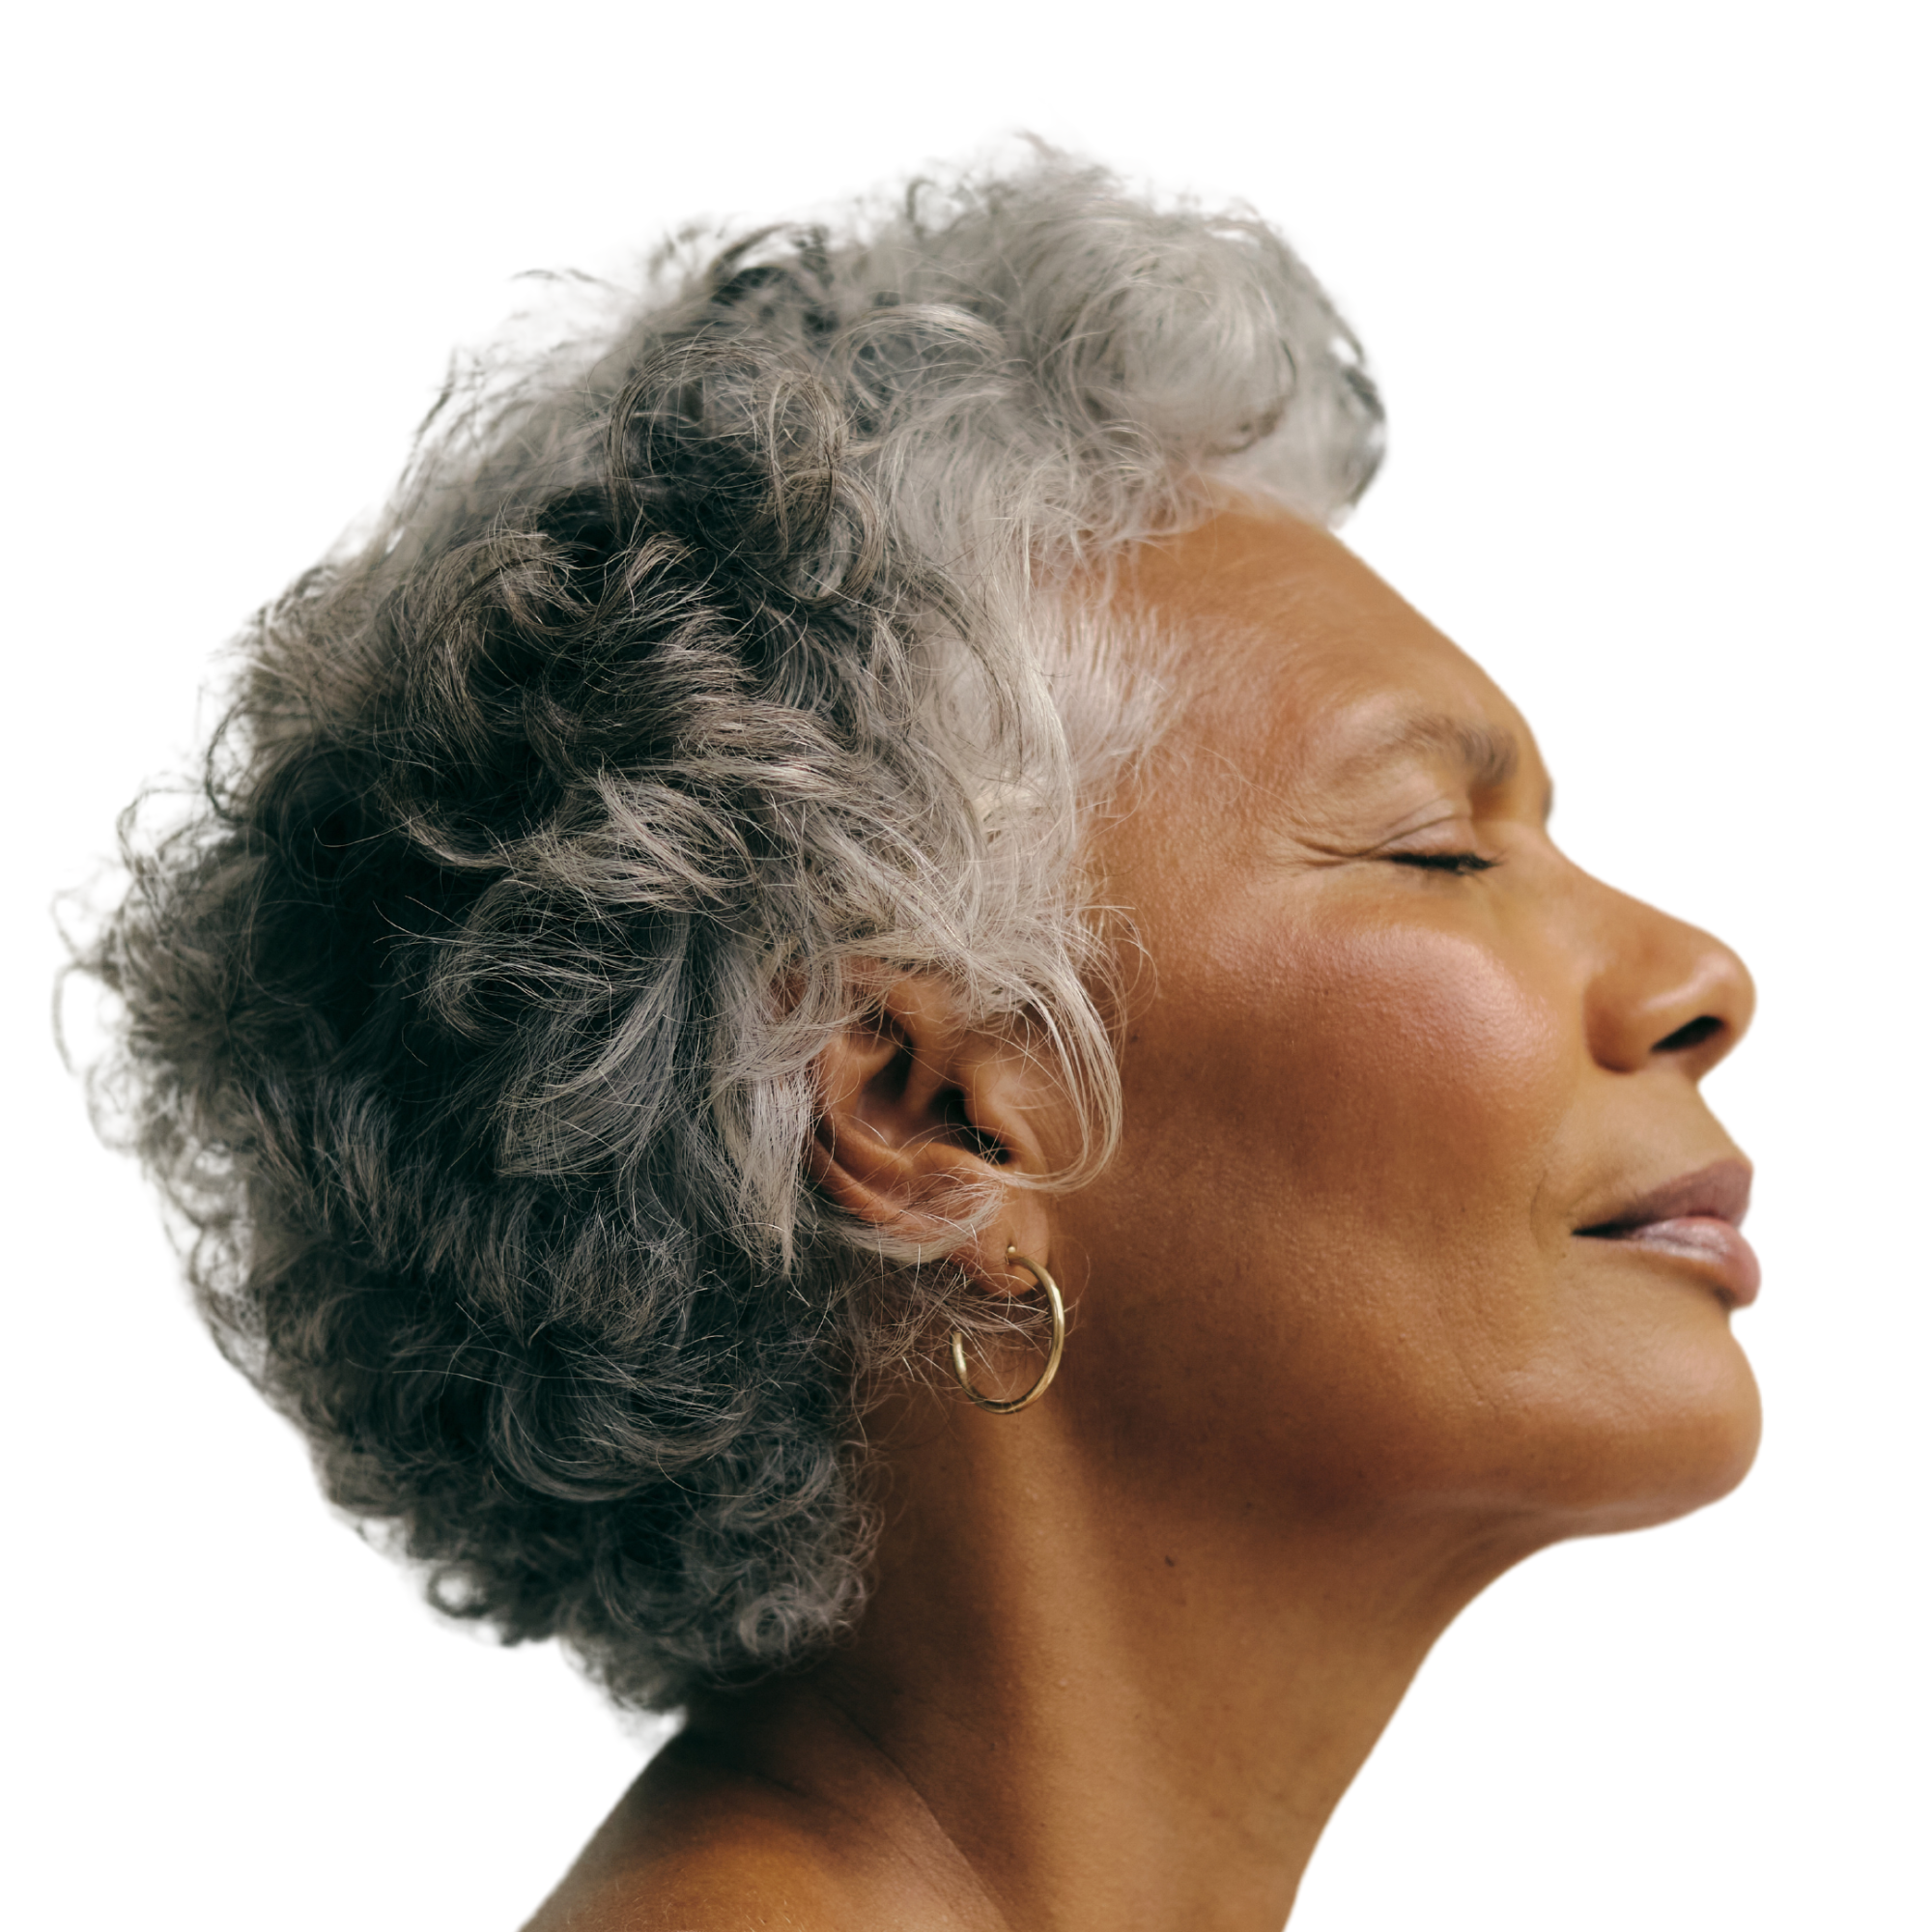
(1720, 1192)
(1693, 1219)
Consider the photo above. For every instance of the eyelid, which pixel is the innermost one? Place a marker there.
(1455, 862)
(1445, 840)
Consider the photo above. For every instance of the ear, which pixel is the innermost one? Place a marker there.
(920, 1118)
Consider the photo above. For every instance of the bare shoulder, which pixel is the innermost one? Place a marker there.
(689, 1847)
(760, 1872)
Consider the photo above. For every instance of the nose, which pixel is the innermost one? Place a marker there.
(1664, 992)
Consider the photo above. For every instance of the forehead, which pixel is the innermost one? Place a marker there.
(1294, 657)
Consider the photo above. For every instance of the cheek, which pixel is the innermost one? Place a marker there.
(1398, 1086)
(1337, 1140)
(1335, 1245)
(1411, 1073)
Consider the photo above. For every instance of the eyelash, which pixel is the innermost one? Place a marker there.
(1456, 863)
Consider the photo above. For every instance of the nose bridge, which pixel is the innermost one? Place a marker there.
(1661, 986)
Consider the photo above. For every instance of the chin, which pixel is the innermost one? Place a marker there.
(1686, 1452)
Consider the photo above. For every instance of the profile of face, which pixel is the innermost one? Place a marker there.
(1418, 1216)
(1418, 1208)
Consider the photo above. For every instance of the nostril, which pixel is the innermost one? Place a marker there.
(1696, 1034)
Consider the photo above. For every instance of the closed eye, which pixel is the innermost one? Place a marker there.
(1444, 862)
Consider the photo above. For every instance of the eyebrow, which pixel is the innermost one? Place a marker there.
(1490, 756)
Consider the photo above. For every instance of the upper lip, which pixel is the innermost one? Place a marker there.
(1720, 1192)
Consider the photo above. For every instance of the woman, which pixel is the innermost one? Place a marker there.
(858, 1026)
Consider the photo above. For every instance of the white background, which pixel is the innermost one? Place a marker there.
(1645, 286)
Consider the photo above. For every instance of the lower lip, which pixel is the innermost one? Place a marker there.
(1718, 1249)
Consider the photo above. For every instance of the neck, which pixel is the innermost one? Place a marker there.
(1126, 1715)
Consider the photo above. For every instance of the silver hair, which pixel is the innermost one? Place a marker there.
(703, 668)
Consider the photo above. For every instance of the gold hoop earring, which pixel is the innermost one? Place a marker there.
(1046, 1374)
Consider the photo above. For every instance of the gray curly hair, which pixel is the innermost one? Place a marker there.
(702, 669)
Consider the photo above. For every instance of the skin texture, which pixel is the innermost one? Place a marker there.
(1339, 1354)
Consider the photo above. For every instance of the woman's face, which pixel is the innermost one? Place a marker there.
(1418, 1204)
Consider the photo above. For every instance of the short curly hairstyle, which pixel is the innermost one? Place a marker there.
(730, 649)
